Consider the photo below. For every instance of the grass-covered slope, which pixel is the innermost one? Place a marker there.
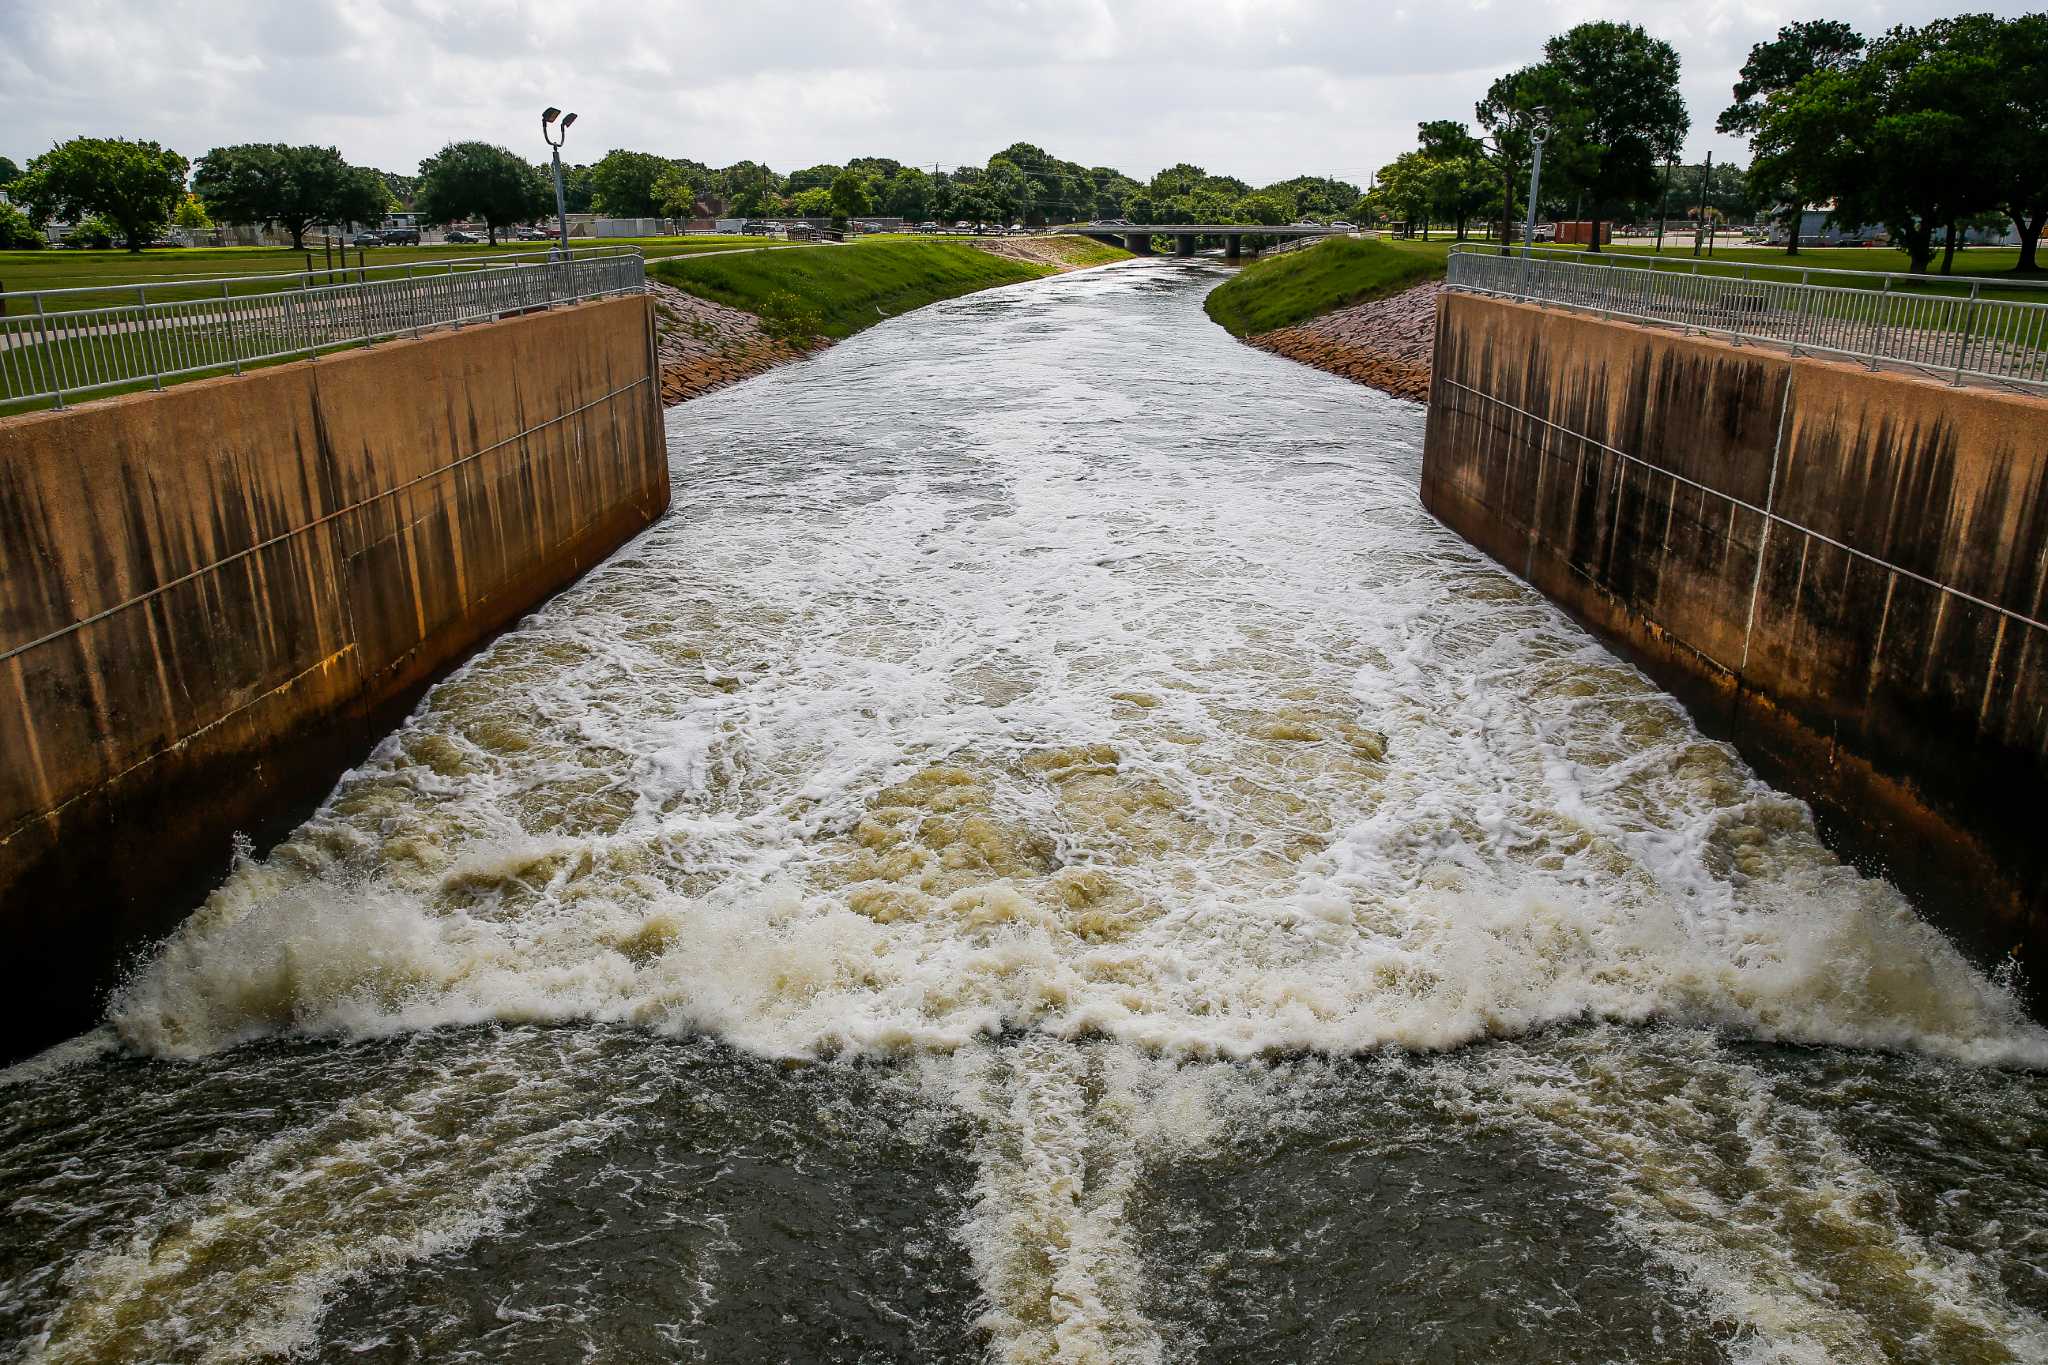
(803, 293)
(1283, 290)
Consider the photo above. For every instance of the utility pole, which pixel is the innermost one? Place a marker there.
(1700, 233)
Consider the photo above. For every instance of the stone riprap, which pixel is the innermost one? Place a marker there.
(1385, 343)
(704, 345)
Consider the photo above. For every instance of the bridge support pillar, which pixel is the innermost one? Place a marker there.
(1138, 243)
(1233, 245)
(1184, 244)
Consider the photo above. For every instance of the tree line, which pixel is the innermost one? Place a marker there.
(1926, 131)
(119, 189)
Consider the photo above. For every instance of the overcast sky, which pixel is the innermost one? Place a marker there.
(1261, 89)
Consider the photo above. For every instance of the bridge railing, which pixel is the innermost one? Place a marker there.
(60, 344)
(1952, 326)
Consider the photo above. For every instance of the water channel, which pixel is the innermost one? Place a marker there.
(1047, 853)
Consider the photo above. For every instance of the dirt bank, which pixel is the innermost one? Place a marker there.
(1385, 343)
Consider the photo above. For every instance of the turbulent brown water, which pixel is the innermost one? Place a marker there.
(1048, 853)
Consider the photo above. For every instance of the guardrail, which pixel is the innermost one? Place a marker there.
(58, 344)
(1895, 319)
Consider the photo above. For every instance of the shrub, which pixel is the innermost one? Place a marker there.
(17, 233)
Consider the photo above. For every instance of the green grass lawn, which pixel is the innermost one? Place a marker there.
(1988, 269)
(1283, 290)
(834, 291)
(30, 270)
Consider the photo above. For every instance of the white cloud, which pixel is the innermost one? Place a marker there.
(1256, 88)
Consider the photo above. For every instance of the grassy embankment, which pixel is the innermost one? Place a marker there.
(1281, 291)
(1284, 290)
(53, 269)
(829, 292)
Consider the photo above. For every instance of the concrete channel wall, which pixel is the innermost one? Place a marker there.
(215, 598)
(1844, 572)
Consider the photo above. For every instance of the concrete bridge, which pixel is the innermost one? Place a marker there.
(1137, 237)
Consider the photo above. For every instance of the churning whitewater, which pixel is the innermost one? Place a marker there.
(1047, 853)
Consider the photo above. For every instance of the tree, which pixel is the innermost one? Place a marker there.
(622, 184)
(851, 194)
(1773, 70)
(815, 202)
(17, 233)
(1612, 91)
(134, 185)
(1906, 136)
(291, 187)
(9, 172)
(482, 181)
(2018, 141)
(1263, 208)
(675, 194)
(751, 185)
(813, 178)
(191, 214)
(1508, 112)
(909, 194)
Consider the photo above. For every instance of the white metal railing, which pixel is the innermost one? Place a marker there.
(1901, 319)
(58, 344)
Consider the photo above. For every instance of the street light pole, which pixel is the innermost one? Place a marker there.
(548, 135)
(1539, 133)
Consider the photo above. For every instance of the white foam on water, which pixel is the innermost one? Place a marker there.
(1077, 709)
(245, 1269)
(1753, 1198)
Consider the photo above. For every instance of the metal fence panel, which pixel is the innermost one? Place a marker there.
(62, 344)
(1960, 336)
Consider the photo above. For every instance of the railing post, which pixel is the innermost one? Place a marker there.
(156, 369)
(50, 354)
(227, 309)
(1969, 326)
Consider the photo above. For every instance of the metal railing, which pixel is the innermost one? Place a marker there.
(59, 344)
(1894, 318)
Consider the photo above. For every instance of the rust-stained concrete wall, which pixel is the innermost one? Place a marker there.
(215, 598)
(1845, 572)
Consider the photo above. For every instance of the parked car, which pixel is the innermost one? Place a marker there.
(1342, 226)
(461, 238)
(927, 227)
(367, 239)
(1018, 229)
(535, 234)
(400, 236)
(758, 229)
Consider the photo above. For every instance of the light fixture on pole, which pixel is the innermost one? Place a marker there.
(555, 138)
(1539, 133)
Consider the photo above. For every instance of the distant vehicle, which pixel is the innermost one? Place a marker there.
(535, 234)
(1018, 229)
(1545, 232)
(400, 236)
(461, 238)
(927, 227)
(1342, 226)
(367, 239)
(758, 229)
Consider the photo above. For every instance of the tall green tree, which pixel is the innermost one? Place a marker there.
(1773, 70)
(290, 187)
(851, 194)
(9, 171)
(909, 194)
(477, 180)
(1612, 91)
(2018, 142)
(622, 183)
(819, 177)
(135, 185)
(1905, 136)
(1508, 112)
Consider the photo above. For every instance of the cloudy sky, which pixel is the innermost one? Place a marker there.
(1260, 89)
